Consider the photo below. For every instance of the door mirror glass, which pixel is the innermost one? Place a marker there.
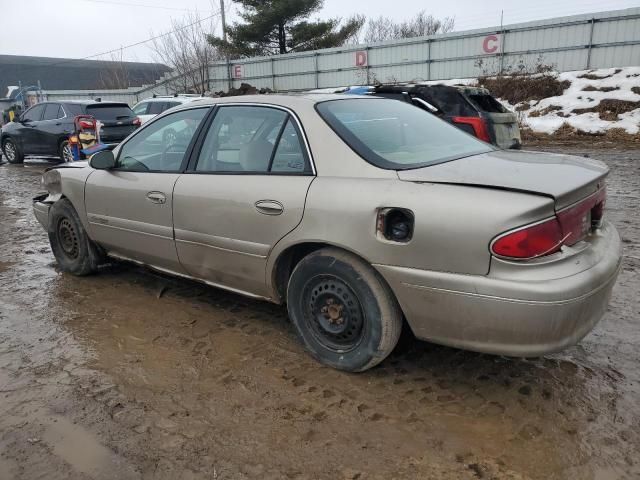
(103, 160)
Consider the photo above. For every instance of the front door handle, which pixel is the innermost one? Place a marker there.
(269, 207)
(157, 197)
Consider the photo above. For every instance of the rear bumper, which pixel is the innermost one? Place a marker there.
(525, 311)
(41, 210)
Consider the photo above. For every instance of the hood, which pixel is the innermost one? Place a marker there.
(564, 177)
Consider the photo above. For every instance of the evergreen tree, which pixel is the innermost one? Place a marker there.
(271, 27)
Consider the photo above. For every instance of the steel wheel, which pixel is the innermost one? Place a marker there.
(68, 239)
(333, 313)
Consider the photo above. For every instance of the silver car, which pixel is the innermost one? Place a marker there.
(361, 214)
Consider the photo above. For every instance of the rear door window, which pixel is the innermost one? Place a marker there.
(156, 107)
(73, 109)
(51, 111)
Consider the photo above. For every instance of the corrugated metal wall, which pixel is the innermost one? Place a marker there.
(581, 42)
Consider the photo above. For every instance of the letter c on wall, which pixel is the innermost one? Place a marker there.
(490, 44)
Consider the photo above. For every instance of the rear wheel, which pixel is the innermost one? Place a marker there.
(65, 153)
(344, 312)
(73, 249)
(12, 152)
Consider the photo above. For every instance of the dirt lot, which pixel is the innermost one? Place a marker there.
(129, 374)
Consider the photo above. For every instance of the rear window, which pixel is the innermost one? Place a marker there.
(396, 135)
(487, 103)
(110, 112)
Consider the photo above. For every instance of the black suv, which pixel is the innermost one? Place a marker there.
(472, 109)
(44, 129)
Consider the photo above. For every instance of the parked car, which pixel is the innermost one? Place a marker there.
(44, 129)
(357, 212)
(150, 107)
(472, 109)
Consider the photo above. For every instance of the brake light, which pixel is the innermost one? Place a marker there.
(478, 124)
(137, 122)
(530, 242)
(568, 227)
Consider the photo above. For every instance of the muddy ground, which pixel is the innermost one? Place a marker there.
(130, 374)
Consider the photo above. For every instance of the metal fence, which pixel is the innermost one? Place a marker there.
(600, 40)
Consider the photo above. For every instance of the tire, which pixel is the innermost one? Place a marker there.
(73, 249)
(12, 152)
(345, 314)
(65, 153)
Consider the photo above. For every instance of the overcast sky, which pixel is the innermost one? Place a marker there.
(54, 28)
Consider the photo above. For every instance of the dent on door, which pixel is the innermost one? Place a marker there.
(226, 225)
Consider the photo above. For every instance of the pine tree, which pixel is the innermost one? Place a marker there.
(271, 27)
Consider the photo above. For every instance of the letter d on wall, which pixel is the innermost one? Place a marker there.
(361, 58)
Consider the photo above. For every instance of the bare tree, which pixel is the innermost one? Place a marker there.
(421, 25)
(115, 74)
(186, 51)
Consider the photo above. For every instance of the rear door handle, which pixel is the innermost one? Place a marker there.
(157, 197)
(269, 207)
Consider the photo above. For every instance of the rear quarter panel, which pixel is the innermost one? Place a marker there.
(454, 225)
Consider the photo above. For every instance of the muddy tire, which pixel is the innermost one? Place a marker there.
(65, 153)
(344, 312)
(73, 249)
(12, 152)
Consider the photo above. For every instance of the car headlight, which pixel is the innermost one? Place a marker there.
(52, 182)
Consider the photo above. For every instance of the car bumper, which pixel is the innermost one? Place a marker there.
(517, 309)
(41, 210)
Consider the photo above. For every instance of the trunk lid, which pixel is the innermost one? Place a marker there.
(565, 178)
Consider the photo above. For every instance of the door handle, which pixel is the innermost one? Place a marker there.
(269, 207)
(157, 197)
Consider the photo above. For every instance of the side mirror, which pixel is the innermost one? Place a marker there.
(103, 160)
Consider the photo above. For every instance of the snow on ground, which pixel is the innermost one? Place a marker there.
(622, 80)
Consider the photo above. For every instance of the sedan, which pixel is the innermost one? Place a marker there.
(363, 215)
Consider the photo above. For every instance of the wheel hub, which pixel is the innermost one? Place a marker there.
(333, 313)
(68, 238)
(9, 150)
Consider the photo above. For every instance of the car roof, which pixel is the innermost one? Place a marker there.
(291, 100)
(87, 102)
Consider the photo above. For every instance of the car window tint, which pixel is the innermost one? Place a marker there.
(289, 156)
(51, 111)
(162, 145)
(171, 105)
(241, 139)
(156, 107)
(141, 108)
(110, 112)
(34, 113)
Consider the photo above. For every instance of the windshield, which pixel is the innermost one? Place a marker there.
(396, 135)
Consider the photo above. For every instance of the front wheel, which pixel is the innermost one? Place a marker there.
(344, 312)
(73, 249)
(12, 152)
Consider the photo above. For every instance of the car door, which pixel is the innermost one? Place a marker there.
(129, 208)
(244, 190)
(52, 128)
(29, 133)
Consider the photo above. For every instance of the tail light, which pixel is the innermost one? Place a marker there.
(478, 124)
(567, 227)
(137, 122)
